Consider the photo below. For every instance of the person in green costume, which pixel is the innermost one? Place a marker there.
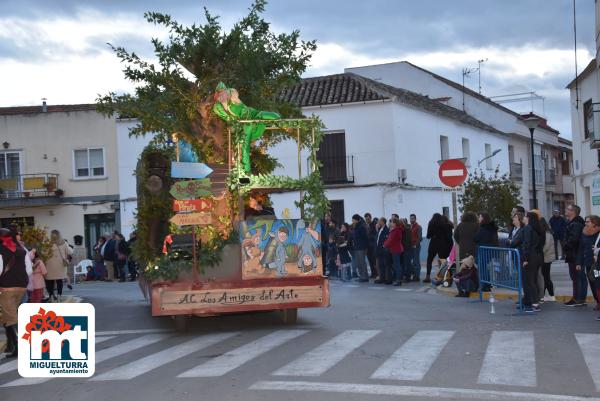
(229, 107)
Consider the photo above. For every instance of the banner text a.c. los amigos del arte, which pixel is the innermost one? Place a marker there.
(226, 298)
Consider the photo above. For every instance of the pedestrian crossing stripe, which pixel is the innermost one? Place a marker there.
(415, 357)
(231, 360)
(325, 356)
(509, 358)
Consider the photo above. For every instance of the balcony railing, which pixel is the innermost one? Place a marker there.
(28, 185)
(516, 171)
(550, 175)
(337, 170)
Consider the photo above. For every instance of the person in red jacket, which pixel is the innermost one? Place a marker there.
(394, 245)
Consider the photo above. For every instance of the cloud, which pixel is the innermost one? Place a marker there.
(57, 48)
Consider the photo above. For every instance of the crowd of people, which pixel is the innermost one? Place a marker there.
(26, 277)
(388, 251)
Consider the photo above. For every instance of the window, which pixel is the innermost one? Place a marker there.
(588, 120)
(337, 211)
(445, 150)
(446, 211)
(89, 162)
(488, 155)
(511, 154)
(336, 167)
(10, 164)
(466, 151)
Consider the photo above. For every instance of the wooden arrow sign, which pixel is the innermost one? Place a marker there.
(190, 170)
(191, 189)
(192, 219)
(195, 205)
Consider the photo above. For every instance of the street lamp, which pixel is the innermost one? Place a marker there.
(532, 122)
(494, 153)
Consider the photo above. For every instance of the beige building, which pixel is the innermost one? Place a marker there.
(58, 169)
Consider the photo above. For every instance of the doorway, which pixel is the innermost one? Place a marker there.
(95, 226)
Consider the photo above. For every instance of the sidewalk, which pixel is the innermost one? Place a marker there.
(559, 273)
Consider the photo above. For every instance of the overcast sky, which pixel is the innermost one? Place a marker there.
(56, 49)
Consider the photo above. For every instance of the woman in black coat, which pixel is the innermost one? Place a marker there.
(487, 235)
(464, 235)
(530, 241)
(439, 232)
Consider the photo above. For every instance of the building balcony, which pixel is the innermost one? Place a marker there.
(337, 170)
(516, 172)
(29, 186)
(550, 176)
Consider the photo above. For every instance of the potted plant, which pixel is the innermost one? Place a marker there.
(59, 192)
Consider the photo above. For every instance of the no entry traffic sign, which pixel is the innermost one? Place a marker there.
(453, 172)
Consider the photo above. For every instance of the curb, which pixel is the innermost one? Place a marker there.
(451, 291)
(67, 300)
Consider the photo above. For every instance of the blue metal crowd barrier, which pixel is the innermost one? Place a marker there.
(500, 267)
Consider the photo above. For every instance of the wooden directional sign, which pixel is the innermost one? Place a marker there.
(190, 170)
(192, 219)
(194, 205)
(191, 189)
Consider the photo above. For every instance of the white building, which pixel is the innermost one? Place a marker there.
(382, 147)
(70, 168)
(58, 169)
(585, 122)
(550, 194)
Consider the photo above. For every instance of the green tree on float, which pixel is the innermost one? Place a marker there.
(496, 194)
(250, 57)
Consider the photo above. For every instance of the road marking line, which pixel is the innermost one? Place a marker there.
(590, 348)
(239, 356)
(404, 289)
(376, 288)
(509, 359)
(141, 331)
(100, 340)
(8, 366)
(327, 355)
(413, 391)
(453, 173)
(101, 356)
(415, 357)
(151, 362)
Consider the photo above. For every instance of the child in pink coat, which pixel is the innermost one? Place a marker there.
(36, 285)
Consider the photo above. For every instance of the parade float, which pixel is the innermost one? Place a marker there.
(208, 242)
(223, 249)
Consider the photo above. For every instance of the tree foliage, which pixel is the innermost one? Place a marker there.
(251, 58)
(496, 195)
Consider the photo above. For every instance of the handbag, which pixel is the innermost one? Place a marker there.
(65, 261)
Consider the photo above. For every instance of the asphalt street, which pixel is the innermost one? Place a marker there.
(375, 342)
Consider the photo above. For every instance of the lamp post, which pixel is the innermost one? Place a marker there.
(489, 157)
(532, 122)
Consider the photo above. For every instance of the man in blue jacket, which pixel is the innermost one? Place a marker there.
(559, 226)
(361, 243)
